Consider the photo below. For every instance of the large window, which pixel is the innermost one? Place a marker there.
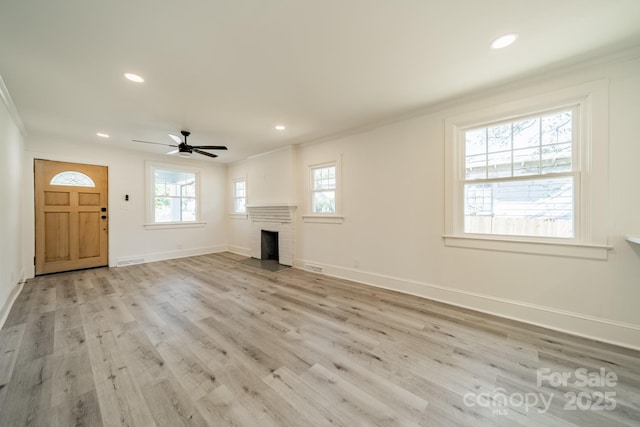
(520, 177)
(323, 189)
(173, 195)
(530, 175)
(239, 196)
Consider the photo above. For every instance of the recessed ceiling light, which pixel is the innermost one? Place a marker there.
(504, 41)
(134, 77)
(279, 127)
(102, 135)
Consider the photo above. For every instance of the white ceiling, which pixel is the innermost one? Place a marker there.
(229, 70)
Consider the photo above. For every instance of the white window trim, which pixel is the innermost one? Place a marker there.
(150, 223)
(324, 218)
(591, 222)
(169, 225)
(234, 214)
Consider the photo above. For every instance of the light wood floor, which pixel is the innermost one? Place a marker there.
(210, 341)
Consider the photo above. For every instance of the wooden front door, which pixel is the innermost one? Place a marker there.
(71, 216)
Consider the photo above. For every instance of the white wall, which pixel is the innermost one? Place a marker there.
(11, 184)
(271, 179)
(128, 238)
(393, 198)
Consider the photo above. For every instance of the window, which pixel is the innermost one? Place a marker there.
(520, 177)
(239, 196)
(72, 178)
(173, 195)
(530, 175)
(323, 192)
(323, 189)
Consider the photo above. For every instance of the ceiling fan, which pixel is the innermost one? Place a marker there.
(185, 149)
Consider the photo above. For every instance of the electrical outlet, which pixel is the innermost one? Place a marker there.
(356, 263)
(179, 245)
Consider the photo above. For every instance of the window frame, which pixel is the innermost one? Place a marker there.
(574, 173)
(590, 155)
(90, 183)
(235, 197)
(324, 217)
(151, 223)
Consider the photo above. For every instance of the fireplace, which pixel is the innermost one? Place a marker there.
(269, 245)
(278, 219)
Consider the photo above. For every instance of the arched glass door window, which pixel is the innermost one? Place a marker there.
(73, 178)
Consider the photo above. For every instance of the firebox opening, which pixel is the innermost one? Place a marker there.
(269, 243)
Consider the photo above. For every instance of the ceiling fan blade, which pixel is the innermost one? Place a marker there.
(155, 143)
(173, 151)
(210, 147)
(177, 139)
(203, 152)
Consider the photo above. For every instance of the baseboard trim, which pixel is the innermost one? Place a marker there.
(161, 256)
(13, 296)
(239, 250)
(592, 327)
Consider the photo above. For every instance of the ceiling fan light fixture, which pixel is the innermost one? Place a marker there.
(134, 77)
(504, 41)
(175, 138)
(183, 149)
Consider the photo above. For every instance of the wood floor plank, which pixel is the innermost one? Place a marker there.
(70, 340)
(65, 293)
(209, 340)
(253, 396)
(121, 401)
(353, 399)
(141, 356)
(46, 299)
(170, 405)
(28, 396)
(84, 410)
(191, 372)
(71, 376)
(38, 338)
(10, 342)
(303, 395)
(68, 316)
(148, 320)
(22, 306)
(222, 408)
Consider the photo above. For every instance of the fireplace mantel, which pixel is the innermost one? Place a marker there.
(273, 212)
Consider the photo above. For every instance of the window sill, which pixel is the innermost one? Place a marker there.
(570, 250)
(323, 219)
(235, 215)
(169, 225)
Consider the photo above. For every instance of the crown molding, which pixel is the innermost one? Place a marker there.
(11, 107)
(578, 63)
